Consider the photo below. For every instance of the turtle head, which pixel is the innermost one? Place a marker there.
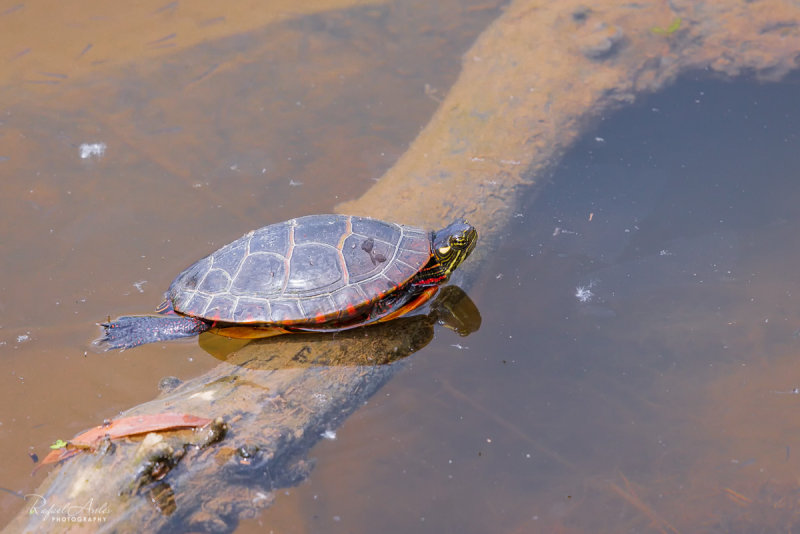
(452, 245)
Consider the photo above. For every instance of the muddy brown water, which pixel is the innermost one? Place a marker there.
(636, 366)
(214, 121)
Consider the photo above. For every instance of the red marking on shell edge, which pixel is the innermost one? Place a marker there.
(351, 310)
(428, 281)
(320, 318)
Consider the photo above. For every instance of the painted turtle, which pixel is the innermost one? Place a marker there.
(319, 273)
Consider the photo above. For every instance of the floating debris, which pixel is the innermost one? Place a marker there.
(793, 391)
(557, 231)
(89, 150)
(584, 293)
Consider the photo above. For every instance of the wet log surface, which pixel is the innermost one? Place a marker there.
(529, 85)
(276, 397)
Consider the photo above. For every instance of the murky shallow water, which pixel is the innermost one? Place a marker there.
(635, 369)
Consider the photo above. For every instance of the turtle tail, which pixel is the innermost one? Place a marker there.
(134, 330)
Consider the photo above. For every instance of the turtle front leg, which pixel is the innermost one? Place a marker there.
(404, 307)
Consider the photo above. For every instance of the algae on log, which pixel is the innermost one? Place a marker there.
(530, 84)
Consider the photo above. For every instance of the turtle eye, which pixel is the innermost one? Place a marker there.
(444, 250)
(457, 240)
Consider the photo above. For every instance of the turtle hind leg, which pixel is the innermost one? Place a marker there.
(134, 330)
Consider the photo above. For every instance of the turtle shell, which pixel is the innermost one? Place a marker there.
(309, 270)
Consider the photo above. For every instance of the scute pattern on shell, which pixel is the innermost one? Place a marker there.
(306, 270)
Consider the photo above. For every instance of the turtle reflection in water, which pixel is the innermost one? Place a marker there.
(380, 344)
(319, 273)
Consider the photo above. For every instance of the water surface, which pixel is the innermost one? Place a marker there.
(636, 368)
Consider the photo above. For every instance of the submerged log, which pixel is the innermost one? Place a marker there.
(529, 86)
(275, 397)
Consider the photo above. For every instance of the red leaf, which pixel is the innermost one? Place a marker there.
(137, 424)
(56, 456)
(121, 428)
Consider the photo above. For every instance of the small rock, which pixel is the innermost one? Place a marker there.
(581, 13)
(168, 383)
(602, 41)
